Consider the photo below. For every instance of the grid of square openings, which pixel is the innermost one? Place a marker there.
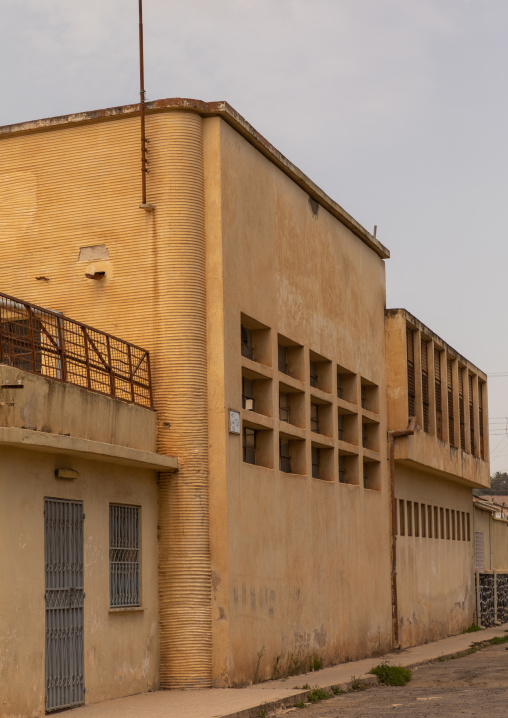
(453, 411)
(321, 405)
(421, 520)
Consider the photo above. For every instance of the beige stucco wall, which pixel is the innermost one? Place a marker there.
(435, 577)
(41, 404)
(79, 186)
(300, 566)
(121, 647)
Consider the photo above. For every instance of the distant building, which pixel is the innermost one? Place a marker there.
(275, 380)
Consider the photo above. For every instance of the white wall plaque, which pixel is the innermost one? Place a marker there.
(234, 421)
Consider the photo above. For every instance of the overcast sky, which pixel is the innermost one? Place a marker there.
(397, 109)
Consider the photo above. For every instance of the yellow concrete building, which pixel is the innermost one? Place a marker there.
(435, 469)
(262, 304)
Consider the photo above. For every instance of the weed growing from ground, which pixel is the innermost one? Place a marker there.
(300, 704)
(498, 639)
(391, 675)
(472, 628)
(263, 711)
(337, 690)
(317, 695)
(258, 662)
(357, 684)
(315, 663)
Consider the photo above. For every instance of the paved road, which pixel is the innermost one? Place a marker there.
(475, 686)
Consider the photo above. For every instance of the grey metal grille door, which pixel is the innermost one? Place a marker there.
(63, 556)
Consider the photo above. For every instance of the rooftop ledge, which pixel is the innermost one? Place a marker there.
(208, 109)
(85, 449)
(427, 453)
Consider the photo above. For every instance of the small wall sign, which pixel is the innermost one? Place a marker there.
(234, 421)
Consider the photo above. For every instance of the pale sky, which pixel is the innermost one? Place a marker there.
(397, 109)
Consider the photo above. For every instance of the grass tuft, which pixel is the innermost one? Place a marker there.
(472, 628)
(337, 690)
(317, 695)
(391, 675)
(357, 684)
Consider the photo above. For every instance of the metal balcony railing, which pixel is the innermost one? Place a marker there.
(43, 342)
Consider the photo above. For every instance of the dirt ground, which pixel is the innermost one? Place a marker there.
(471, 686)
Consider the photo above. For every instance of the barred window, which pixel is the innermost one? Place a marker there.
(123, 556)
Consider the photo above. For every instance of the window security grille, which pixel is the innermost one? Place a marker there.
(247, 343)
(451, 415)
(411, 381)
(249, 445)
(314, 418)
(342, 469)
(437, 381)
(340, 388)
(365, 476)
(461, 410)
(124, 556)
(284, 456)
(313, 374)
(283, 359)
(425, 387)
(248, 394)
(471, 415)
(284, 411)
(341, 427)
(363, 396)
(364, 436)
(480, 407)
(316, 460)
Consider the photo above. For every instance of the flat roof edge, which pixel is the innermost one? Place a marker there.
(420, 325)
(208, 109)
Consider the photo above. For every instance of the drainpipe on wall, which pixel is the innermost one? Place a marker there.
(392, 435)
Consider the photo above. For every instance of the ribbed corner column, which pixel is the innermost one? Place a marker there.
(181, 400)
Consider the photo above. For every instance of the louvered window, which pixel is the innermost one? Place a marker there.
(425, 388)
(249, 445)
(284, 456)
(437, 381)
(480, 406)
(341, 427)
(411, 384)
(284, 407)
(247, 394)
(247, 343)
(451, 416)
(316, 461)
(461, 410)
(283, 359)
(313, 373)
(471, 415)
(314, 418)
(342, 469)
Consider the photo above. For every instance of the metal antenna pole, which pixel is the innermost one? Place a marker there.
(144, 160)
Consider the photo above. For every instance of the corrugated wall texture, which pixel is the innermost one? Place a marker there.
(79, 187)
(181, 398)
